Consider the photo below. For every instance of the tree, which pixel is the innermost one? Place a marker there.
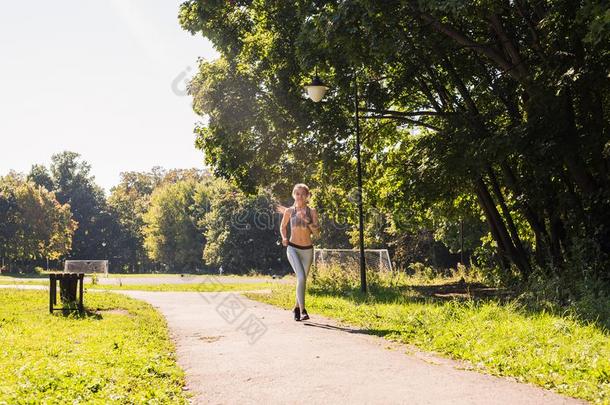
(39, 175)
(129, 201)
(242, 231)
(8, 221)
(35, 225)
(500, 103)
(70, 179)
(173, 236)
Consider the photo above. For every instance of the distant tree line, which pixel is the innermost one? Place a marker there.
(162, 220)
(172, 221)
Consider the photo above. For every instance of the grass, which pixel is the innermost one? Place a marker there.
(27, 276)
(101, 356)
(198, 287)
(224, 283)
(29, 281)
(493, 333)
(44, 275)
(161, 275)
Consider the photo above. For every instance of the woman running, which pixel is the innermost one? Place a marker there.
(299, 249)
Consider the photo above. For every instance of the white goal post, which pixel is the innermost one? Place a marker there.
(86, 266)
(374, 258)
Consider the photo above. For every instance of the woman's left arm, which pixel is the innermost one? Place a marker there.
(314, 226)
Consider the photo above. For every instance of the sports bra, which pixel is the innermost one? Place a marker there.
(297, 221)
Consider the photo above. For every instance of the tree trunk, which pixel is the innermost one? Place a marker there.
(523, 257)
(534, 220)
(575, 165)
(498, 228)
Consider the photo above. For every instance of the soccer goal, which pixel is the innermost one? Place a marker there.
(86, 266)
(378, 259)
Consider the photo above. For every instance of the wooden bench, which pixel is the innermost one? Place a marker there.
(69, 284)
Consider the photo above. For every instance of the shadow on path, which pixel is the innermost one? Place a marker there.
(375, 332)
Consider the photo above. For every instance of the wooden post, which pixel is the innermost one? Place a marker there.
(462, 241)
(81, 278)
(52, 291)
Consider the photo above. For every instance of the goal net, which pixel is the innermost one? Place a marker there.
(377, 259)
(86, 266)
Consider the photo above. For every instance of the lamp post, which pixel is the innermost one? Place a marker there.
(316, 91)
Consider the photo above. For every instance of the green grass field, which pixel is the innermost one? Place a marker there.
(205, 284)
(200, 287)
(45, 276)
(119, 352)
(495, 336)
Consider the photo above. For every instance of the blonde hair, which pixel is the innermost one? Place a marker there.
(301, 186)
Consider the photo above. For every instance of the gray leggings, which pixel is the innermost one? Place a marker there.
(300, 260)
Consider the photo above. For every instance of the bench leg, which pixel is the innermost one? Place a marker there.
(81, 279)
(52, 292)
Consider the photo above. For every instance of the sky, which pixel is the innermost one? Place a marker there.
(105, 79)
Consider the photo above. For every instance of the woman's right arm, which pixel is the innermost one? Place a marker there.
(284, 225)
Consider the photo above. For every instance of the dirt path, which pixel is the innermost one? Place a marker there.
(236, 350)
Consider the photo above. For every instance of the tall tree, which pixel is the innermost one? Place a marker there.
(503, 103)
(129, 201)
(8, 221)
(173, 236)
(73, 184)
(35, 225)
(242, 232)
(40, 175)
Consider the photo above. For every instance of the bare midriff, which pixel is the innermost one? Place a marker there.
(300, 235)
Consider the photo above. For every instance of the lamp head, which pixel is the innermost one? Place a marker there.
(316, 89)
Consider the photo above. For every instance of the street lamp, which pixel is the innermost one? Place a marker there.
(316, 91)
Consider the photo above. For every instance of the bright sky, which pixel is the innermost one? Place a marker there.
(102, 78)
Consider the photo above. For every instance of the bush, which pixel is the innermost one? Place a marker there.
(335, 278)
(584, 298)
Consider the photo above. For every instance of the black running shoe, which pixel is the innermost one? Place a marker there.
(305, 315)
(297, 314)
